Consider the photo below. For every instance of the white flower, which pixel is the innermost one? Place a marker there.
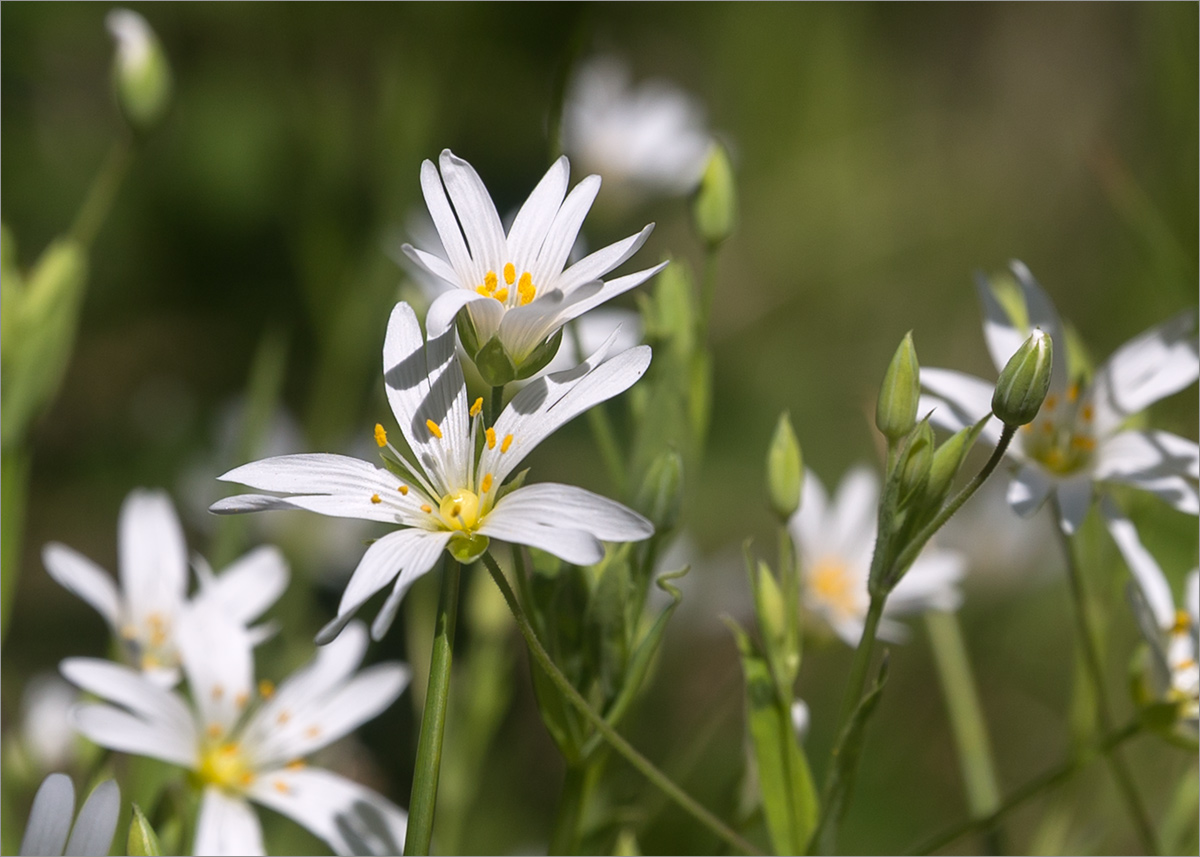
(592, 331)
(46, 730)
(455, 489)
(834, 543)
(135, 40)
(514, 286)
(1170, 633)
(152, 557)
(246, 742)
(1077, 439)
(651, 137)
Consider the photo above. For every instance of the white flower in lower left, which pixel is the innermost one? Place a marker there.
(246, 742)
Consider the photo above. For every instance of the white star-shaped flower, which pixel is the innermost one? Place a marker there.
(516, 287)
(247, 742)
(152, 558)
(1078, 438)
(834, 542)
(454, 493)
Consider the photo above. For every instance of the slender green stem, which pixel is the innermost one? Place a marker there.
(495, 404)
(433, 721)
(1031, 789)
(631, 755)
(103, 191)
(1095, 672)
(14, 475)
(859, 666)
(966, 720)
(708, 287)
(578, 784)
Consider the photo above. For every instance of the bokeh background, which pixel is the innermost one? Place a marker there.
(883, 153)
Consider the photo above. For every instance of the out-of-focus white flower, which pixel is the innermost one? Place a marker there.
(247, 742)
(650, 138)
(46, 730)
(52, 817)
(146, 611)
(834, 542)
(801, 718)
(1077, 440)
(1170, 633)
(454, 494)
(514, 285)
(141, 72)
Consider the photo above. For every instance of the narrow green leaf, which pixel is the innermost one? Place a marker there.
(143, 842)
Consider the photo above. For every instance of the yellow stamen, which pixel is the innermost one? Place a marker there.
(1083, 442)
(150, 662)
(1088, 412)
(214, 730)
(282, 787)
(832, 583)
(312, 731)
(241, 699)
(526, 289)
(217, 692)
(380, 435)
(247, 779)
(1051, 402)
(296, 765)
(266, 689)
(434, 429)
(376, 499)
(155, 620)
(510, 273)
(477, 406)
(1047, 427)
(490, 281)
(491, 438)
(426, 508)
(157, 637)
(129, 632)
(1183, 621)
(483, 290)
(500, 295)
(403, 489)
(226, 767)
(1072, 392)
(507, 443)
(486, 485)
(284, 717)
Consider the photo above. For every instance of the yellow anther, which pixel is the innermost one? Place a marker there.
(434, 429)
(157, 637)
(226, 767)
(266, 689)
(500, 295)
(1051, 402)
(477, 406)
(1047, 427)
(403, 489)
(312, 731)
(490, 281)
(129, 632)
(1185, 664)
(506, 443)
(426, 508)
(832, 583)
(296, 765)
(525, 288)
(247, 779)
(217, 692)
(510, 273)
(376, 499)
(1087, 412)
(380, 435)
(241, 699)
(483, 290)
(461, 511)
(1183, 621)
(491, 438)
(150, 662)
(1083, 442)
(284, 717)
(214, 730)
(486, 485)
(1072, 392)
(282, 787)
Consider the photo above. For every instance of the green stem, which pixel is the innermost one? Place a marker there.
(1031, 789)
(1095, 672)
(858, 667)
(708, 287)
(103, 191)
(631, 755)
(14, 491)
(433, 721)
(495, 404)
(568, 825)
(966, 720)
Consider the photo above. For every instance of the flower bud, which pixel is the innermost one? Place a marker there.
(714, 208)
(661, 494)
(1024, 382)
(896, 409)
(785, 469)
(140, 72)
(917, 461)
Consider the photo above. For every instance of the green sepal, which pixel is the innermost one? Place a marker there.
(916, 462)
(494, 364)
(466, 549)
(541, 356)
(142, 841)
(948, 459)
(467, 334)
(511, 485)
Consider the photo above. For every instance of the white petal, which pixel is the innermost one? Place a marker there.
(1042, 314)
(1161, 361)
(1146, 571)
(1028, 490)
(930, 584)
(1002, 335)
(1176, 491)
(351, 818)
(50, 817)
(582, 301)
(217, 653)
(596, 265)
(447, 226)
(552, 400)
(1074, 499)
(227, 825)
(563, 231)
(532, 223)
(801, 718)
(555, 505)
(79, 575)
(93, 832)
(118, 730)
(969, 398)
(591, 331)
(1147, 454)
(855, 512)
(807, 526)
(445, 308)
(133, 690)
(250, 585)
(435, 265)
(574, 546)
(476, 212)
(152, 555)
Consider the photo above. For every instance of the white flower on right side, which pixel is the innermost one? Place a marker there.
(651, 137)
(834, 542)
(1079, 439)
(146, 610)
(1173, 635)
(247, 743)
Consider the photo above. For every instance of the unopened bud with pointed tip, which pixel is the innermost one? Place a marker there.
(785, 469)
(896, 409)
(715, 207)
(140, 72)
(1024, 382)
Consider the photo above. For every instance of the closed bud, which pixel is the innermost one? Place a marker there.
(896, 409)
(917, 461)
(714, 208)
(1024, 382)
(948, 460)
(770, 608)
(140, 72)
(661, 494)
(785, 469)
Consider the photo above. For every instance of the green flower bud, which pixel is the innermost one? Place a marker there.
(917, 461)
(661, 494)
(785, 469)
(714, 208)
(769, 605)
(494, 364)
(896, 409)
(142, 840)
(140, 72)
(1024, 382)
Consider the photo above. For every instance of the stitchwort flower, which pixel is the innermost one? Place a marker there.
(152, 557)
(834, 540)
(1079, 438)
(245, 741)
(516, 287)
(451, 493)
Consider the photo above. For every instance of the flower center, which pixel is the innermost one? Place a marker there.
(831, 582)
(225, 766)
(461, 511)
(524, 292)
(150, 643)
(1061, 438)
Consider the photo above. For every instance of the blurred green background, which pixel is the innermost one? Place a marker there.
(883, 153)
